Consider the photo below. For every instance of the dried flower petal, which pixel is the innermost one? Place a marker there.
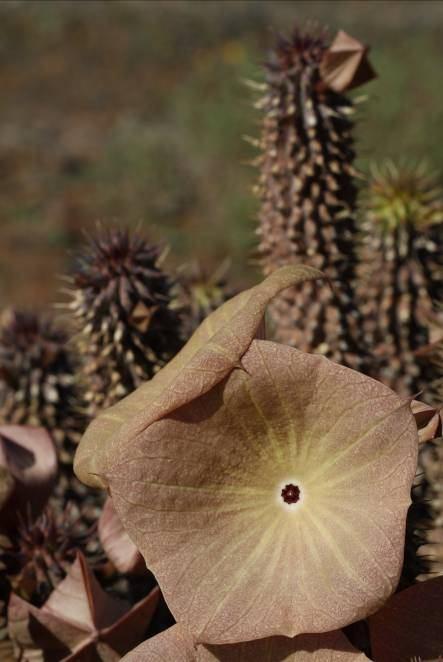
(117, 544)
(77, 618)
(428, 419)
(410, 625)
(345, 64)
(29, 467)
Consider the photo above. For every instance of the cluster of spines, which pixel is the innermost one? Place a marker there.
(128, 329)
(37, 557)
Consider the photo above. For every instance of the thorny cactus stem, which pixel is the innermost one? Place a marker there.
(306, 188)
(37, 378)
(121, 300)
(402, 271)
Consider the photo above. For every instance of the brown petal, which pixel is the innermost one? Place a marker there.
(6, 480)
(78, 620)
(175, 644)
(212, 352)
(410, 624)
(428, 419)
(130, 629)
(117, 544)
(172, 644)
(30, 630)
(69, 620)
(199, 493)
(93, 651)
(345, 64)
(80, 599)
(29, 459)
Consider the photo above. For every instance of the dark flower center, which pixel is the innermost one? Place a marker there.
(290, 493)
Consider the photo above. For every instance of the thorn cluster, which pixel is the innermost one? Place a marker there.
(41, 552)
(128, 330)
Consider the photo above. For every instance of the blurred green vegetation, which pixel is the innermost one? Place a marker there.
(134, 112)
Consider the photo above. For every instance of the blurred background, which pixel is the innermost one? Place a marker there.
(133, 113)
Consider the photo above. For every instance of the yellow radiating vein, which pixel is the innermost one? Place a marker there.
(249, 532)
(343, 475)
(343, 561)
(304, 535)
(250, 441)
(335, 457)
(218, 509)
(338, 522)
(292, 446)
(273, 438)
(238, 575)
(246, 490)
(273, 569)
(366, 515)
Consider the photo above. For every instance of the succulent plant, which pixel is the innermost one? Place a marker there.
(307, 188)
(37, 378)
(121, 300)
(36, 555)
(199, 294)
(431, 460)
(402, 271)
(404, 194)
(424, 527)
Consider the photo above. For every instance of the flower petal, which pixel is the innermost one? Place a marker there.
(200, 495)
(175, 644)
(211, 353)
(117, 544)
(28, 470)
(78, 619)
(428, 419)
(130, 629)
(172, 644)
(345, 64)
(410, 625)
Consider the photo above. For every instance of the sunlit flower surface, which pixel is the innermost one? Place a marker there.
(266, 488)
(175, 644)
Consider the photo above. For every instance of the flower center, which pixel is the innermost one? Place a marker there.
(290, 493)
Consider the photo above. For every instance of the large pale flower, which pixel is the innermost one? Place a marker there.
(266, 488)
